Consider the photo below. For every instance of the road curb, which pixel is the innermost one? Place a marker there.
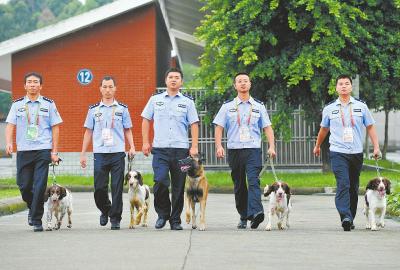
(11, 205)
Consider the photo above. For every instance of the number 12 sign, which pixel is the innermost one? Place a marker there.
(84, 76)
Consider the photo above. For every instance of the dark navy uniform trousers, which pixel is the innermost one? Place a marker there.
(32, 174)
(165, 162)
(247, 161)
(104, 165)
(347, 168)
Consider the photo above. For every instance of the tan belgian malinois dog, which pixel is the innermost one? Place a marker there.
(196, 192)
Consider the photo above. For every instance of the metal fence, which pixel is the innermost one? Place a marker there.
(294, 154)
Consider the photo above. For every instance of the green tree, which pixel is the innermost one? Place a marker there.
(293, 50)
(379, 59)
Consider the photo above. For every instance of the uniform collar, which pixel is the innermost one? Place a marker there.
(27, 100)
(165, 94)
(115, 103)
(251, 100)
(352, 100)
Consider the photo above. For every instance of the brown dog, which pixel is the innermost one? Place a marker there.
(196, 192)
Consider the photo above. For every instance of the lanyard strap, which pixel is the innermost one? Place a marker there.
(112, 116)
(238, 113)
(28, 117)
(351, 116)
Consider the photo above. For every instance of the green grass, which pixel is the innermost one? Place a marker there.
(383, 163)
(9, 192)
(223, 179)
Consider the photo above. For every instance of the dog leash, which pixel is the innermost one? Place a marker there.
(271, 163)
(53, 171)
(130, 162)
(377, 166)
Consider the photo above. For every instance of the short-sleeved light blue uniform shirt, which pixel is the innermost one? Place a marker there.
(227, 117)
(43, 113)
(115, 117)
(332, 118)
(172, 116)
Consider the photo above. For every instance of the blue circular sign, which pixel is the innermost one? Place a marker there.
(84, 76)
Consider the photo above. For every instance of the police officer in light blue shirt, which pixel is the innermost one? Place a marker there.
(345, 118)
(37, 122)
(172, 113)
(243, 118)
(108, 123)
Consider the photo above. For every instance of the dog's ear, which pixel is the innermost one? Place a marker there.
(387, 185)
(140, 178)
(286, 188)
(46, 194)
(372, 184)
(268, 190)
(127, 176)
(63, 192)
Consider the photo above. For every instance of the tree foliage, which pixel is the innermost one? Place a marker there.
(22, 16)
(293, 49)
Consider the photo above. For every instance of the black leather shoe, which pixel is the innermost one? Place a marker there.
(115, 226)
(160, 223)
(257, 219)
(30, 223)
(103, 219)
(242, 224)
(346, 224)
(176, 227)
(352, 226)
(38, 228)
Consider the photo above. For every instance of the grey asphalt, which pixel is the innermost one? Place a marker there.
(314, 241)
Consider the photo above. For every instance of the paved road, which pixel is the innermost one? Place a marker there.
(315, 241)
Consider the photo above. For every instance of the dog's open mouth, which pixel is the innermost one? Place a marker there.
(381, 192)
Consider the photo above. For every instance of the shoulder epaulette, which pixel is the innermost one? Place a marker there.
(229, 100)
(155, 94)
(189, 97)
(360, 100)
(259, 101)
(20, 99)
(122, 104)
(47, 99)
(94, 105)
(330, 102)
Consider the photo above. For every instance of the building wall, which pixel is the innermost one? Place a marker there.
(124, 47)
(164, 48)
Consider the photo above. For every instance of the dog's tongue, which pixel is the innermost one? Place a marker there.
(381, 192)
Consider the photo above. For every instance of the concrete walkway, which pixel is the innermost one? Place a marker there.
(315, 241)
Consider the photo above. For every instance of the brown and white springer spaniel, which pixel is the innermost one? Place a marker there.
(139, 198)
(375, 202)
(279, 204)
(59, 201)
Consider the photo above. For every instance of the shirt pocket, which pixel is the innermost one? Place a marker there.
(160, 110)
(44, 117)
(118, 119)
(358, 116)
(255, 117)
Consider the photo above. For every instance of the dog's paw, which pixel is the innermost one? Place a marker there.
(202, 227)
(188, 218)
(194, 226)
(49, 229)
(131, 226)
(144, 225)
(381, 225)
(69, 226)
(374, 228)
(368, 226)
(268, 227)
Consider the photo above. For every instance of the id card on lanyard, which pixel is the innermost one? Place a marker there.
(32, 129)
(348, 134)
(106, 133)
(244, 130)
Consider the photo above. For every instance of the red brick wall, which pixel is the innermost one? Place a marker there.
(124, 47)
